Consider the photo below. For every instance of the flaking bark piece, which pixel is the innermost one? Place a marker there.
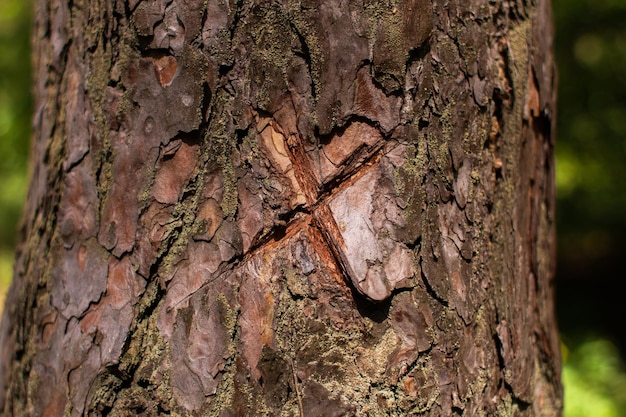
(372, 256)
(199, 347)
(77, 216)
(81, 277)
(371, 102)
(404, 28)
(174, 172)
(274, 143)
(168, 91)
(210, 218)
(112, 317)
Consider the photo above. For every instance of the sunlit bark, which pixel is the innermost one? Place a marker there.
(287, 208)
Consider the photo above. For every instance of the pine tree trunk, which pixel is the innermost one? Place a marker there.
(295, 208)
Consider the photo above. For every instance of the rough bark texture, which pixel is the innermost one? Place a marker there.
(289, 207)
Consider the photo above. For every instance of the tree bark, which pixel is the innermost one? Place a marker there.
(287, 207)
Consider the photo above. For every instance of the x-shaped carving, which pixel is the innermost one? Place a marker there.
(346, 191)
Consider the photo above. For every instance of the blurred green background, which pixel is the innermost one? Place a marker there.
(15, 116)
(591, 187)
(591, 210)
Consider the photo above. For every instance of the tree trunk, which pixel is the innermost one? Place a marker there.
(287, 208)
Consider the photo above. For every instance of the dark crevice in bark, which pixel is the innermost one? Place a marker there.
(493, 138)
(288, 217)
(521, 404)
(397, 291)
(507, 96)
(416, 244)
(237, 17)
(156, 53)
(431, 291)
(375, 311)
(128, 10)
(193, 137)
(457, 411)
(222, 71)
(144, 41)
(501, 363)
(395, 92)
(240, 136)
(147, 303)
(69, 167)
(516, 14)
(206, 101)
(263, 113)
(276, 234)
(305, 54)
(418, 54)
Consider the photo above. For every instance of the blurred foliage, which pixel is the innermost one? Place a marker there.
(591, 147)
(591, 202)
(591, 179)
(595, 385)
(15, 124)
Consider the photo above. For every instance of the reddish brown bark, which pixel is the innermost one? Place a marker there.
(287, 208)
